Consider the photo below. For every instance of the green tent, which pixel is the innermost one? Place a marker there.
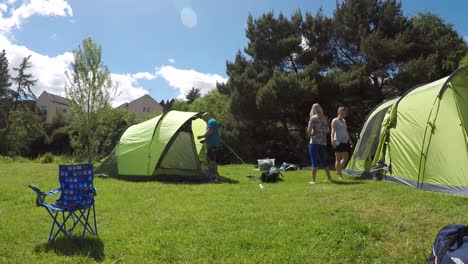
(419, 139)
(164, 146)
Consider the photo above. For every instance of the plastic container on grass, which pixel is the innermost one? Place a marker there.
(265, 164)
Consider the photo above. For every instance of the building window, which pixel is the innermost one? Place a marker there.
(43, 109)
(64, 110)
(149, 109)
(144, 109)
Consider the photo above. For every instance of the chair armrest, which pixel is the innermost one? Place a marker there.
(91, 191)
(52, 192)
(41, 195)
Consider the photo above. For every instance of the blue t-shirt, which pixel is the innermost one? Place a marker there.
(213, 140)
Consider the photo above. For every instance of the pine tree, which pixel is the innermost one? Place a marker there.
(193, 95)
(24, 81)
(20, 123)
(5, 82)
(5, 85)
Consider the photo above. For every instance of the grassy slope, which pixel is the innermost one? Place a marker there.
(289, 222)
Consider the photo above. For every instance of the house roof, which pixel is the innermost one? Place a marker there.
(58, 99)
(146, 95)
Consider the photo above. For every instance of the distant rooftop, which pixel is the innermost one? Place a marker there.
(126, 104)
(58, 99)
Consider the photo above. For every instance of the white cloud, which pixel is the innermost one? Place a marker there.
(50, 72)
(53, 36)
(29, 8)
(144, 76)
(3, 7)
(465, 38)
(183, 80)
(171, 60)
(128, 88)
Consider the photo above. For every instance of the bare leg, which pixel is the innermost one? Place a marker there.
(314, 174)
(327, 172)
(213, 167)
(343, 161)
(338, 158)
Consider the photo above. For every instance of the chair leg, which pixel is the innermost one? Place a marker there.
(82, 217)
(84, 221)
(85, 227)
(95, 223)
(59, 226)
(54, 222)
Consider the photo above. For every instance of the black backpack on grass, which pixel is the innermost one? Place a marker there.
(450, 246)
(272, 175)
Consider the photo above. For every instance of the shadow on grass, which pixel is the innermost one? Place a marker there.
(223, 179)
(339, 182)
(92, 247)
(176, 180)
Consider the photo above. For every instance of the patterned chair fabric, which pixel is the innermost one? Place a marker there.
(76, 185)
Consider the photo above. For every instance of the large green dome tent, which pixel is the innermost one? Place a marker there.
(419, 139)
(162, 147)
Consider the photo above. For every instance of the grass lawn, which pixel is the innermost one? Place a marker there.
(351, 221)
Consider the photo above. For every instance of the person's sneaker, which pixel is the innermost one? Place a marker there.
(312, 182)
(339, 177)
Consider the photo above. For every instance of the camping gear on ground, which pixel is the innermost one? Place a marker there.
(265, 164)
(450, 246)
(271, 176)
(75, 204)
(163, 147)
(419, 139)
(289, 167)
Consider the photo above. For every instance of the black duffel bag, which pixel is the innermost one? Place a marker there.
(273, 175)
(450, 246)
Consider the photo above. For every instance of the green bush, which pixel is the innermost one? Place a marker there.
(64, 159)
(45, 158)
(7, 159)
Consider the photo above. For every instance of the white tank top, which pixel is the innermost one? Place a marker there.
(341, 131)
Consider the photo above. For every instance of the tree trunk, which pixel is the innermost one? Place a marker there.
(291, 145)
(293, 64)
(88, 121)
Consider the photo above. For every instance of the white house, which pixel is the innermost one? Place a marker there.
(50, 104)
(142, 107)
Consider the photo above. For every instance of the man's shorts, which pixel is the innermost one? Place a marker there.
(342, 147)
(215, 154)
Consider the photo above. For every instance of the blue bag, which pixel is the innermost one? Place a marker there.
(450, 246)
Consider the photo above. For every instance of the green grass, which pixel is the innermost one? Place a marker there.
(353, 221)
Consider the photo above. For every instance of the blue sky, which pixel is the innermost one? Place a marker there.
(158, 46)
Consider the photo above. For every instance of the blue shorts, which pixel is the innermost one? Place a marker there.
(318, 155)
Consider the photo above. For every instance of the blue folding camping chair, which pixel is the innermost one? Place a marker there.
(75, 204)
